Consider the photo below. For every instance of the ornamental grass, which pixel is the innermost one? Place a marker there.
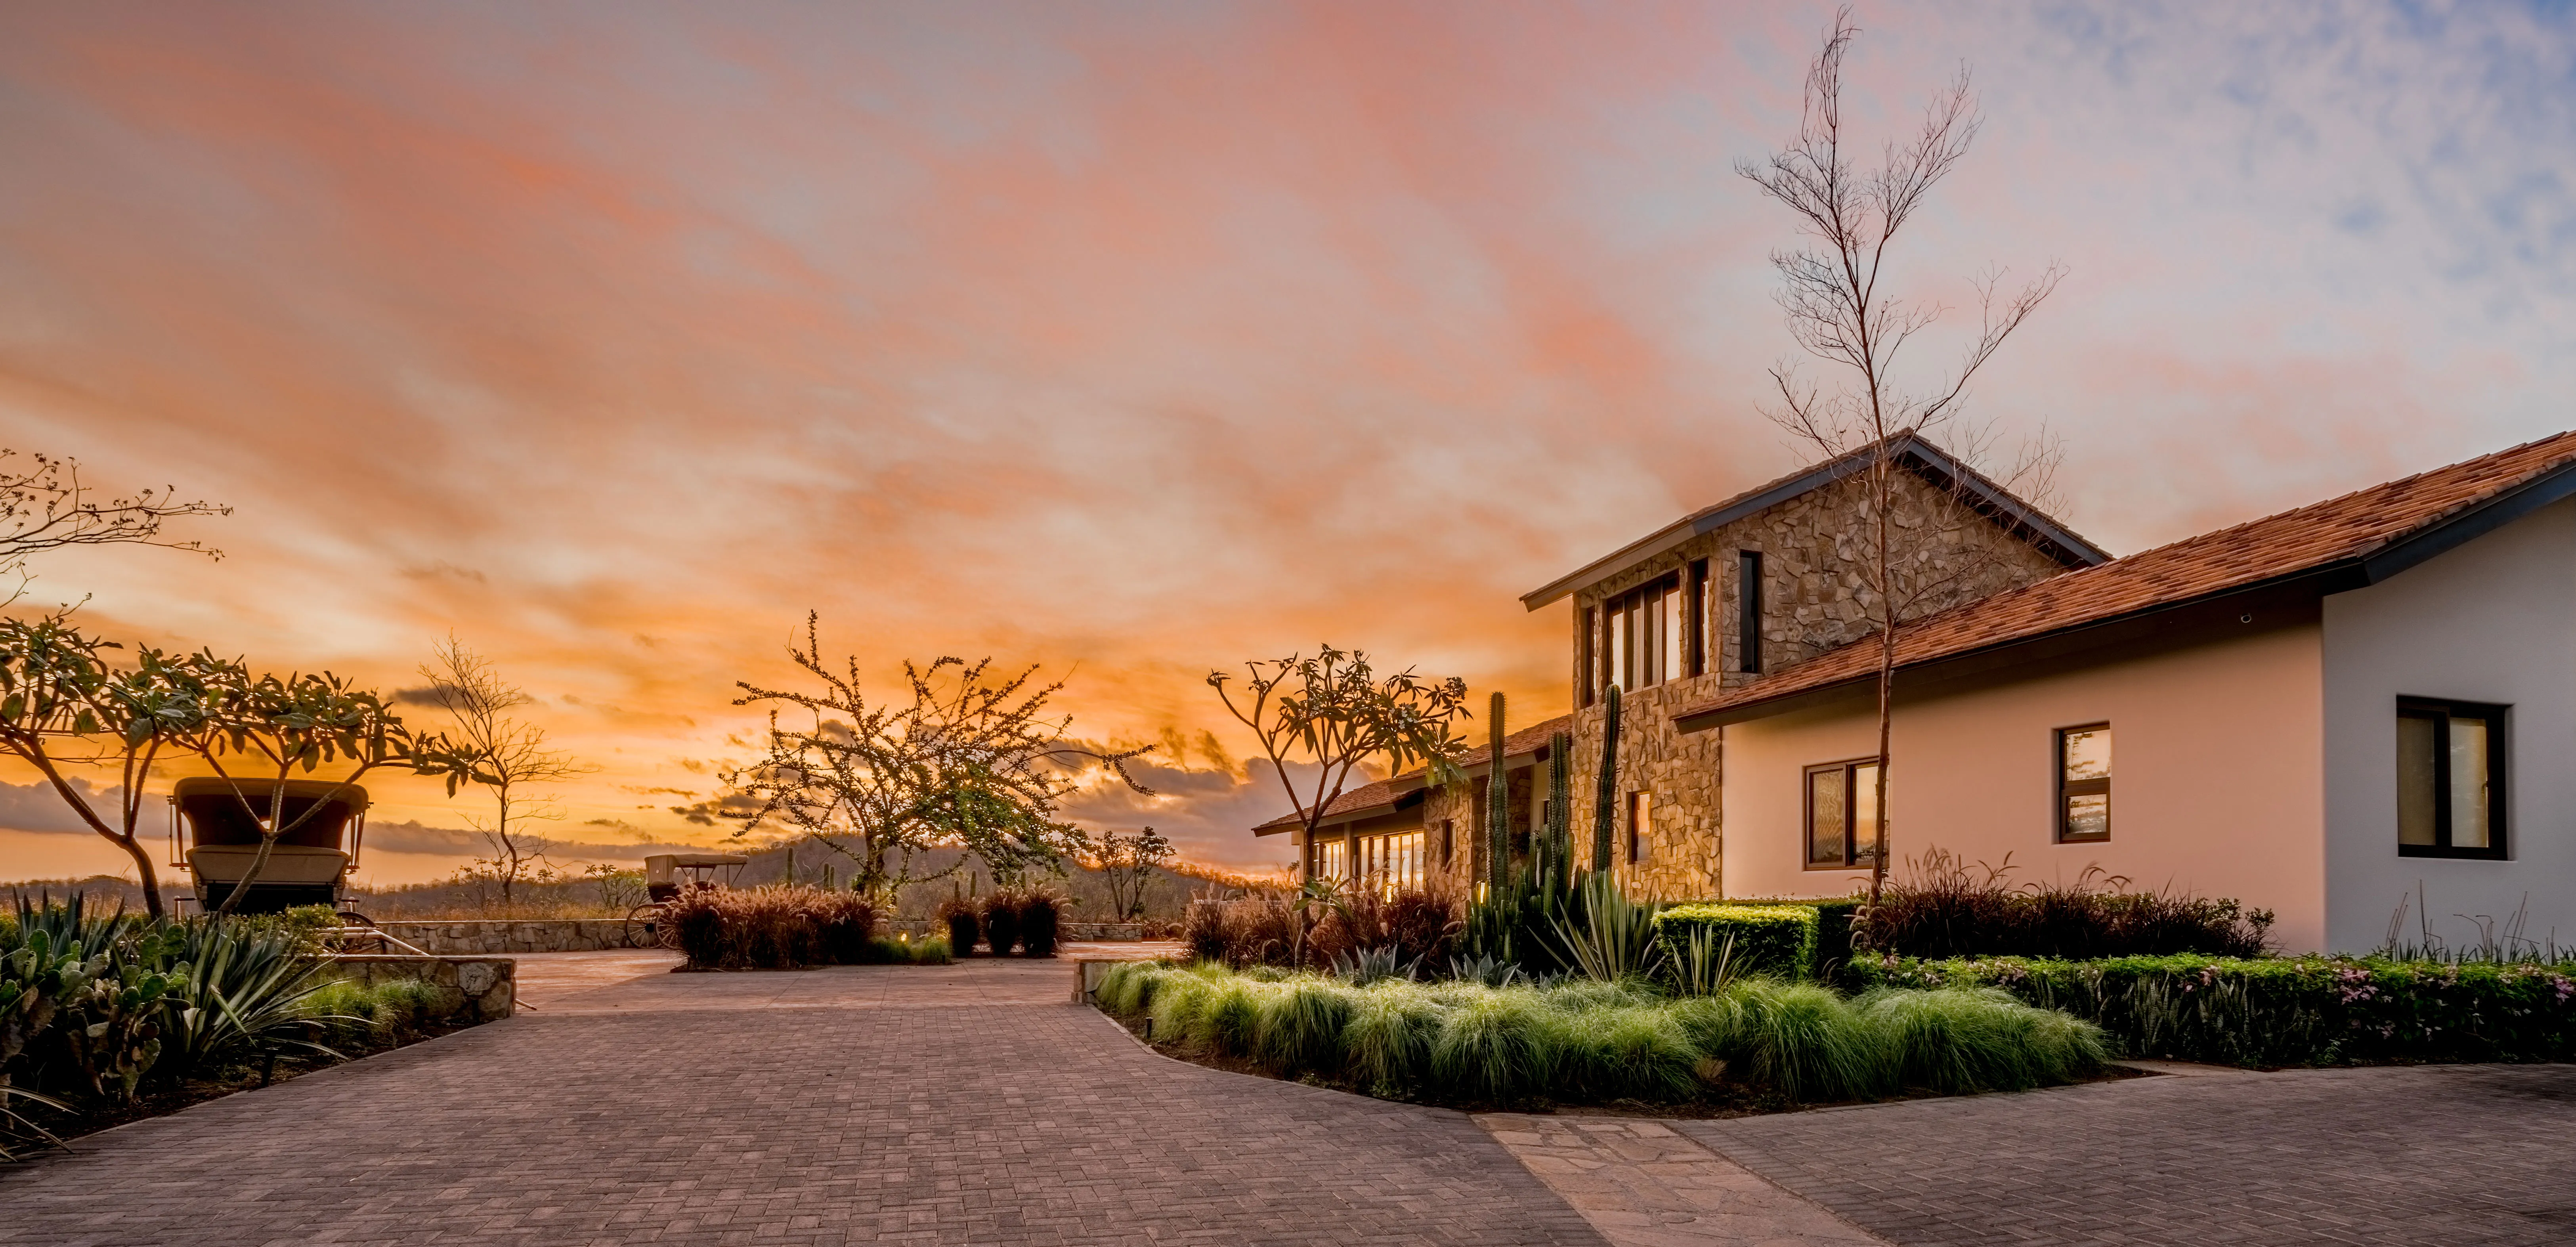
(1583, 1041)
(784, 927)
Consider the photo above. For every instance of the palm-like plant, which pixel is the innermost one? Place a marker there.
(1613, 938)
(242, 994)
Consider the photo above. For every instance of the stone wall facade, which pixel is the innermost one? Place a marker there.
(481, 935)
(1815, 598)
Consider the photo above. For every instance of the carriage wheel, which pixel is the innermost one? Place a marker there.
(352, 918)
(644, 928)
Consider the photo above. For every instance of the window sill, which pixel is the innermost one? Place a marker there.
(1861, 866)
(2436, 850)
(2101, 839)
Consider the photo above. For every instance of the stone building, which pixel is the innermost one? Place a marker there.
(1666, 620)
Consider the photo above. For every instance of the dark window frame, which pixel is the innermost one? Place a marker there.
(1695, 621)
(1640, 650)
(1640, 837)
(1748, 611)
(1448, 842)
(2082, 787)
(2499, 721)
(1852, 857)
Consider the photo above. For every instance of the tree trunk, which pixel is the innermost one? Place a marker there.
(143, 865)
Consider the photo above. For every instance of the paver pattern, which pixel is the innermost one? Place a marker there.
(1643, 1183)
(2436, 1155)
(971, 1104)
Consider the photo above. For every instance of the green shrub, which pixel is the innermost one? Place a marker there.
(1462, 1042)
(1499, 1046)
(1302, 1022)
(2288, 1010)
(1777, 940)
(1631, 1052)
(1811, 1044)
(1387, 1042)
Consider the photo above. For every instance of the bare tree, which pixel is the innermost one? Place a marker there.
(1839, 312)
(504, 754)
(46, 507)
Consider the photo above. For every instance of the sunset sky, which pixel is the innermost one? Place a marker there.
(1136, 340)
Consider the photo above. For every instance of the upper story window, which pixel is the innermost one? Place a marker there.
(1641, 635)
(2084, 782)
(1748, 610)
(2450, 778)
(1842, 815)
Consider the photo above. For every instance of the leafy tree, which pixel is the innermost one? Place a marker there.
(1839, 312)
(1333, 712)
(971, 760)
(62, 707)
(502, 754)
(1127, 863)
(273, 726)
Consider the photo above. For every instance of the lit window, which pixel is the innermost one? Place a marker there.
(1641, 826)
(2450, 778)
(2084, 783)
(1331, 861)
(1842, 815)
(1642, 635)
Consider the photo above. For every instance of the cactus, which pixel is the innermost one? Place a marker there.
(1560, 796)
(1605, 808)
(1498, 810)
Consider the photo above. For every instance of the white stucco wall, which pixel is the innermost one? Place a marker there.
(2492, 621)
(2217, 779)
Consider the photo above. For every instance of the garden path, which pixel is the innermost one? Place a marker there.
(965, 1104)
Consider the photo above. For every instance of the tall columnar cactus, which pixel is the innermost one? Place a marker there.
(1498, 810)
(1560, 796)
(1605, 806)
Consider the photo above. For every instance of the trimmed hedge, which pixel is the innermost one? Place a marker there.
(2286, 1010)
(1776, 940)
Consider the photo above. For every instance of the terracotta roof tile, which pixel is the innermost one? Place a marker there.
(2354, 526)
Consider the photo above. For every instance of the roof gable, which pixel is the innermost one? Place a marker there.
(1914, 453)
(2345, 542)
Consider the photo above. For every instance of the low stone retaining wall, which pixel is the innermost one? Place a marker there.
(917, 928)
(473, 989)
(484, 935)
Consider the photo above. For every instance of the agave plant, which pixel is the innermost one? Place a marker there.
(1614, 938)
(241, 993)
(1704, 964)
(1485, 969)
(1363, 966)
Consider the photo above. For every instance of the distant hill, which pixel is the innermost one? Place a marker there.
(1166, 894)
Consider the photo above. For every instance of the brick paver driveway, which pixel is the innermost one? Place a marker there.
(2444, 1156)
(972, 1104)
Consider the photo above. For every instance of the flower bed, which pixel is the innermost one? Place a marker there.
(1581, 1041)
(2284, 1010)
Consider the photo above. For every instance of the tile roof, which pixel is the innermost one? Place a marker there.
(2348, 530)
(1384, 794)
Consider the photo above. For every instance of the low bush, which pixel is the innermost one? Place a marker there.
(1582, 1040)
(964, 924)
(2285, 1011)
(773, 928)
(1002, 921)
(1942, 907)
(1039, 910)
(1775, 940)
(1417, 927)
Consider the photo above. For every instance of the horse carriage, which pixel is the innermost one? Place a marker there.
(215, 831)
(666, 876)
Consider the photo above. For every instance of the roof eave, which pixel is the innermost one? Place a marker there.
(2071, 550)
